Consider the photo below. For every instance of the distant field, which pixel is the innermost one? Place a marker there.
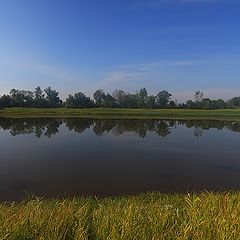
(226, 114)
(149, 216)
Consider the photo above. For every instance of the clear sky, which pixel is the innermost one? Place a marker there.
(84, 45)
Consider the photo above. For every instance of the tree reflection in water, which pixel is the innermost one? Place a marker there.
(50, 126)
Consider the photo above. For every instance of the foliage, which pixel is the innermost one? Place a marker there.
(52, 98)
(99, 96)
(39, 98)
(79, 100)
(234, 102)
(163, 98)
(21, 98)
(198, 96)
(49, 98)
(6, 101)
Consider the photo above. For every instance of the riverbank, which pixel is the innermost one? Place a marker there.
(181, 114)
(147, 216)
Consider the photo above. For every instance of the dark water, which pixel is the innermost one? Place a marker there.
(73, 157)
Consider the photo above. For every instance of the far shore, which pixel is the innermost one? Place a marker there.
(120, 113)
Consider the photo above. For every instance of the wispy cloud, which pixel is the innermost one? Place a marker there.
(180, 77)
(143, 73)
(157, 3)
(123, 74)
(17, 72)
(28, 66)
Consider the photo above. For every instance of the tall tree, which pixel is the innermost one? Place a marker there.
(17, 97)
(191, 104)
(39, 97)
(21, 98)
(6, 101)
(198, 96)
(151, 102)
(28, 98)
(142, 97)
(99, 96)
(109, 101)
(79, 100)
(163, 98)
(120, 97)
(131, 101)
(234, 102)
(52, 97)
(220, 104)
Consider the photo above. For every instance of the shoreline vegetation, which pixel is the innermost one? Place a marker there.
(120, 113)
(49, 98)
(205, 215)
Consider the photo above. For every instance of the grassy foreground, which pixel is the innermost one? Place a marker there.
(148, 216)
(223, 114)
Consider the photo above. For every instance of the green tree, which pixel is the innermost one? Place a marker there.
(198, 96)
(151, 102)
(99, 97)
(28, 98)
(6, 101)
(220, 103)
(191, 104)
(120, 97)
(142, 97)
(52, 98)
(131, 101)
(163, 98)
(79, 100)
(21, 98)
(109, 101)
(17, 97)
(234, 102)
(39, 97)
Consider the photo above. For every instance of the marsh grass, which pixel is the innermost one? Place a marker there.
(148, 216)
(118, 113)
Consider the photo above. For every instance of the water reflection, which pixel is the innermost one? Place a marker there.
(74, 157)
(49, 127)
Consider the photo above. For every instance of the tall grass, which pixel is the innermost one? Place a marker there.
(149, 216)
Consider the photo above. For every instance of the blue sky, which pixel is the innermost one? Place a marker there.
(84, 45)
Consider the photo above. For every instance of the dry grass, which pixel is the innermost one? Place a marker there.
(148, 216)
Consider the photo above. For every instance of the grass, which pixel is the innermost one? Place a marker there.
(223, 114)
(152, 216)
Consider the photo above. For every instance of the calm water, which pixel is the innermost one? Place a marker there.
(73, 157)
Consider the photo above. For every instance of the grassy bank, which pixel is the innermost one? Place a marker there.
(148, 216)
(225, 114)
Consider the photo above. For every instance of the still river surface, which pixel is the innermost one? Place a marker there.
(75, 157)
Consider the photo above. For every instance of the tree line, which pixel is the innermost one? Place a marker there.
(49, 98)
